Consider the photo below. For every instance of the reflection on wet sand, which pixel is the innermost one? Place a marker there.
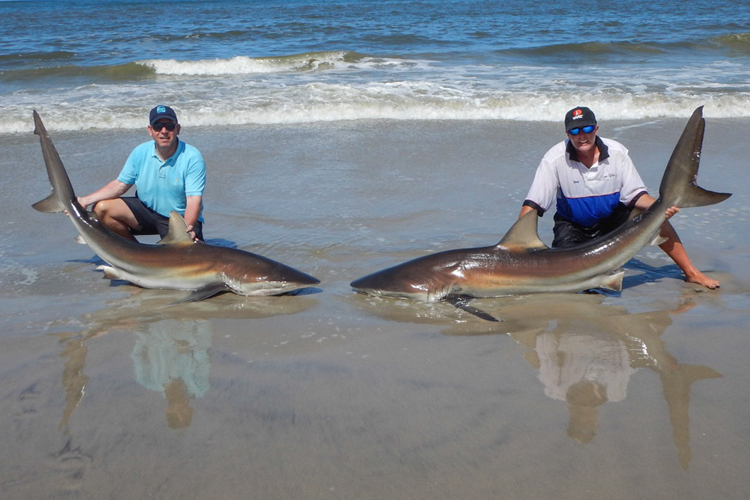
(585, 352)
(171, 356)
(171, 352)
(73, 379)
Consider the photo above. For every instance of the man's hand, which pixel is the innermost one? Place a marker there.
(189, 230)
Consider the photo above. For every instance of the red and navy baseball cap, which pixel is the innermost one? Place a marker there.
(579, 117)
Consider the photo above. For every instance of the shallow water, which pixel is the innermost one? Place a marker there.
(107, 391)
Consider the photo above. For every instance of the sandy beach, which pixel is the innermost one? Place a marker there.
(108, 391)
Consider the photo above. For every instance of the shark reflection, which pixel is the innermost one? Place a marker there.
(585, 351)
(587, 361)
(171, 354)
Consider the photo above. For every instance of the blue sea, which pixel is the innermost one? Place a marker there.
(102, 64)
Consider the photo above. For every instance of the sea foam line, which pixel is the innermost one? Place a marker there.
(326, 102)
(244, 65)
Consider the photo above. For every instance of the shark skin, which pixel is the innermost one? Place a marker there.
(176, 262)
(521, 263)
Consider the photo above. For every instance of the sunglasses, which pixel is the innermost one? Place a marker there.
(586, 130)
(167, 125)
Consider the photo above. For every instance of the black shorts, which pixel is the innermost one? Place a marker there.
(569, 233)
(151, 222)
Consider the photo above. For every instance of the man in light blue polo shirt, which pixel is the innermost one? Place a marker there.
(168, 174)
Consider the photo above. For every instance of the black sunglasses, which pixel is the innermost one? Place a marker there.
(586, 130)
(167, 125)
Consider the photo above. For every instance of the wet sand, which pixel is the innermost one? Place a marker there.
(107, 391)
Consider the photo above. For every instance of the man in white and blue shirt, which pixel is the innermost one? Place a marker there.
(168, 174)
(595, 185)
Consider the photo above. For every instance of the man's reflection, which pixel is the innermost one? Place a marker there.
(172, 343)
(586, 370)
(171, 356)
(588, 361)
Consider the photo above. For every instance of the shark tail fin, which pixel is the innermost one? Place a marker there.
(50, 204)
(679, 185)
(696, 196)
(62, 190)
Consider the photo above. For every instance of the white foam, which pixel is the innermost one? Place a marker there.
(413, 92)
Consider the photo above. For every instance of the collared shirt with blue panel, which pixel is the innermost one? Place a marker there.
(583, 195)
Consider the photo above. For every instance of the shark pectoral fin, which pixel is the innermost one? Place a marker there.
(463, 303)
(523, 234)
(204, 293)
(177, 232)
(613, 282)
(110, 272)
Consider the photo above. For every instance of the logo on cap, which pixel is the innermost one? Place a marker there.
(577, 114)
(161, 109)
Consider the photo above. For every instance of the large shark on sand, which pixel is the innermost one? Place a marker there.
(521, 263)
(176, 262)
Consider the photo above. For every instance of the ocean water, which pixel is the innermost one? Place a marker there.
(102, 64)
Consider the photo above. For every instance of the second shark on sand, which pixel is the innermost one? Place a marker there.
(521, 263)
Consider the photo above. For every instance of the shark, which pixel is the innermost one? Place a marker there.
(522, 264)
(176, 262)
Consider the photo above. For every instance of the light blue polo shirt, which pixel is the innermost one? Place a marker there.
(164, 185)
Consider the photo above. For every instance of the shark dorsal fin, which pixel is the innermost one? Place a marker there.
(523, 235)
(177, 231)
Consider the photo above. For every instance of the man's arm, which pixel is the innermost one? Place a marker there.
(524, 210)
(646, 200)
(192, 211)
(113, 189)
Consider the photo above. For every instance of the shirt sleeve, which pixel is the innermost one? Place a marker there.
(632, 184)
(195, 178)
(543, 190)
(132, 168)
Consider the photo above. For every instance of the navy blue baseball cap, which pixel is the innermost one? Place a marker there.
(161, 112)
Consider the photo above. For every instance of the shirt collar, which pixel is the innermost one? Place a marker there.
(177, 151)
(603, 150)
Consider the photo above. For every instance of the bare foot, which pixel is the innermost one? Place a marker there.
(703, 280)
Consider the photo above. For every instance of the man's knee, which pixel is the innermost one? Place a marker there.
(103, 208)
(114, 213)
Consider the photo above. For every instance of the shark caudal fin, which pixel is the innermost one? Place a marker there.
(62, 189)
(678, 186)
